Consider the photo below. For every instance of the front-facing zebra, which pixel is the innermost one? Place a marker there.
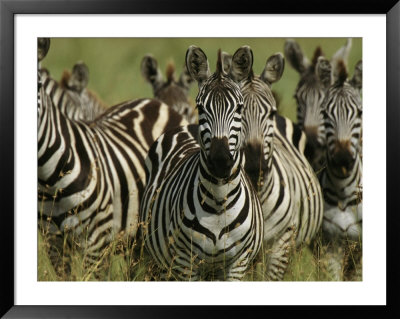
(288, 188)
(342, 180)
(202, 218)
(310, 93)
(91, 174)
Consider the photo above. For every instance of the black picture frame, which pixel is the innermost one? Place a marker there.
(8, 10)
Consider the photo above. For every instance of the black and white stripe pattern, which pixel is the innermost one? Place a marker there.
(202, 217)
(91, 175)
(342, 179)
(87, 104)
(71, 95)
(172, 92)
(310, 93)
(288, 188)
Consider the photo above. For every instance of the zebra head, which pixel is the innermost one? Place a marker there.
(172, 92)
(258, 118)
(310, 93)
(343, 120)
(43, 48)
(219, 103)
(77, 80)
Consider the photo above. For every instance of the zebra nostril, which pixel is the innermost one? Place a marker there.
(343, 160)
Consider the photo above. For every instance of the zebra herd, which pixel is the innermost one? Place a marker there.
(209, 191)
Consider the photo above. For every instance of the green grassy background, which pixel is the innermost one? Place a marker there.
(114, 65)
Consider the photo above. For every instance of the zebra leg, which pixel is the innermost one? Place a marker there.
(277, 257)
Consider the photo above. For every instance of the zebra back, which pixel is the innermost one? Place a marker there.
(91, 175)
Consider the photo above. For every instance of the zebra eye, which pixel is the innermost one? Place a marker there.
(239, 108)
(272, 113)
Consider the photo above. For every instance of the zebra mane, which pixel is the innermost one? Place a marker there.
(317, 53)
(342, 72)
(170, 72)
(220, 67)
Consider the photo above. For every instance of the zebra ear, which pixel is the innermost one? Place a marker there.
(43, 47)
(273, 68)
(341, 55)
(151, 72)
(185, 80)
(197, 64)
(242, 64)
(79, 78)
(356, 80)
(226, 61)
(323, 71)
(295, 56)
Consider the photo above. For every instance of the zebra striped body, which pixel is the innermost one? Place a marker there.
(288, 188)
(91, 175)
(202, 217)
(172, 92)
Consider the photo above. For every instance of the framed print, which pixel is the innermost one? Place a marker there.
(99, 32)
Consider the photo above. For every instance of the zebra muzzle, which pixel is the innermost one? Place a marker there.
(220, 160)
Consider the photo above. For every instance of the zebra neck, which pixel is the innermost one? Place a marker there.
(345, 191)
(55, 141)
(215, 191)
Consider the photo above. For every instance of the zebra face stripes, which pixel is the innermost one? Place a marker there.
(315, 78)
(342, 181)
(172, 92)
(343, 124)
(199, 224)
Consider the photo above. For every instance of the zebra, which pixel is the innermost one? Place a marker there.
(201, 215)
(91, 174)
(71, 93)
(309, 95)
(88, 105)
(287, 186)
(342, 180)
(172, 92)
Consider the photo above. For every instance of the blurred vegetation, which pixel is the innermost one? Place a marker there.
(114, 65)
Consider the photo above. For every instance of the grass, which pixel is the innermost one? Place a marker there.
(120, 261)
(114, 65)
